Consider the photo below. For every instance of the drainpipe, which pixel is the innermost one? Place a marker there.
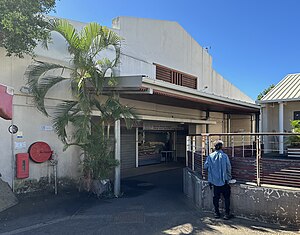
(117, 157)
(280, 119)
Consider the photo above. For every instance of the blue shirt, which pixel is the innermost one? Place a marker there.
(219, 168)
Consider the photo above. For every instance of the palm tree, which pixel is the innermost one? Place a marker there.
(86, 75)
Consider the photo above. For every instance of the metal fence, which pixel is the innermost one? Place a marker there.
(259, 158)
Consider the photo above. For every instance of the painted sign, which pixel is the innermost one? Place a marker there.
(19, 134)
(161, 126)
(20, 145)
(46, 128)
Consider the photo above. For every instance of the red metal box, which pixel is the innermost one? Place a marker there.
(22, 165)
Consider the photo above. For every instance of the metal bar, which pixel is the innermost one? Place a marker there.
(252, 145)
(258, 162)
(193, 152)
(187, 151)
(244, 133)
(207, 145)
(174, 157)
(243, 143)
(191, 146)
(13, 157)
(232, 146)
(202, 155)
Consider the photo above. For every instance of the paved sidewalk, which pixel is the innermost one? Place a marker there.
(151, 204)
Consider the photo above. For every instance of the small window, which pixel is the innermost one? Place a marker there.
(297, 115)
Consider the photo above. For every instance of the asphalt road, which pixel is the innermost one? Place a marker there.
(150, 204)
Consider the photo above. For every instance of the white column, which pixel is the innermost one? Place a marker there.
(137, 147)
(117, 157)
(280, 122)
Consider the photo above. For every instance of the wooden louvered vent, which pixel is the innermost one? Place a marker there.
(175, 77)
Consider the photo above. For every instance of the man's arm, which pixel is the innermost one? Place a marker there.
(228, 168)
(206, 164)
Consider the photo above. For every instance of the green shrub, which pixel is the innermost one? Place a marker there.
(294, 141)
(99, 159)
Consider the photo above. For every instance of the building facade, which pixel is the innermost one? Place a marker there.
(164, 74)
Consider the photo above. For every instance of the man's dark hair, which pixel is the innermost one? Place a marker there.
(218, 145)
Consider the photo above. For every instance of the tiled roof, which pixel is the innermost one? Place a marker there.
(288, 89)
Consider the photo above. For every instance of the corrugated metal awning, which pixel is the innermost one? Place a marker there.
(288, 89)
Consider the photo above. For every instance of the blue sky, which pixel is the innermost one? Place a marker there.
(254, 43)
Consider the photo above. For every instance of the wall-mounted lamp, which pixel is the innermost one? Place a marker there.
(25, 90)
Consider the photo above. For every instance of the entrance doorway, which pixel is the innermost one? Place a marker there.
(161, 142)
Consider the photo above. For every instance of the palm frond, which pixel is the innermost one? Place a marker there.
(110, 37)
(83, 128)
(128, 115)
(113, 39)
(104, 40)
(62, 116)
(69, 33)
(40, 83)
(88, 35)
(38, 68)
(115, 110)
(98, 105)
(104, 65)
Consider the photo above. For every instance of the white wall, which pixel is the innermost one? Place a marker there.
(167, 43)
(30, 123)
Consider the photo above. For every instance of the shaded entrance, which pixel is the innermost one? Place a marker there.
(161, 142)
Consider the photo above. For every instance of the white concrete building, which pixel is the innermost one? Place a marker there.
(164, 74)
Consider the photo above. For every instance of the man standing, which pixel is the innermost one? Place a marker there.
(219, 174)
